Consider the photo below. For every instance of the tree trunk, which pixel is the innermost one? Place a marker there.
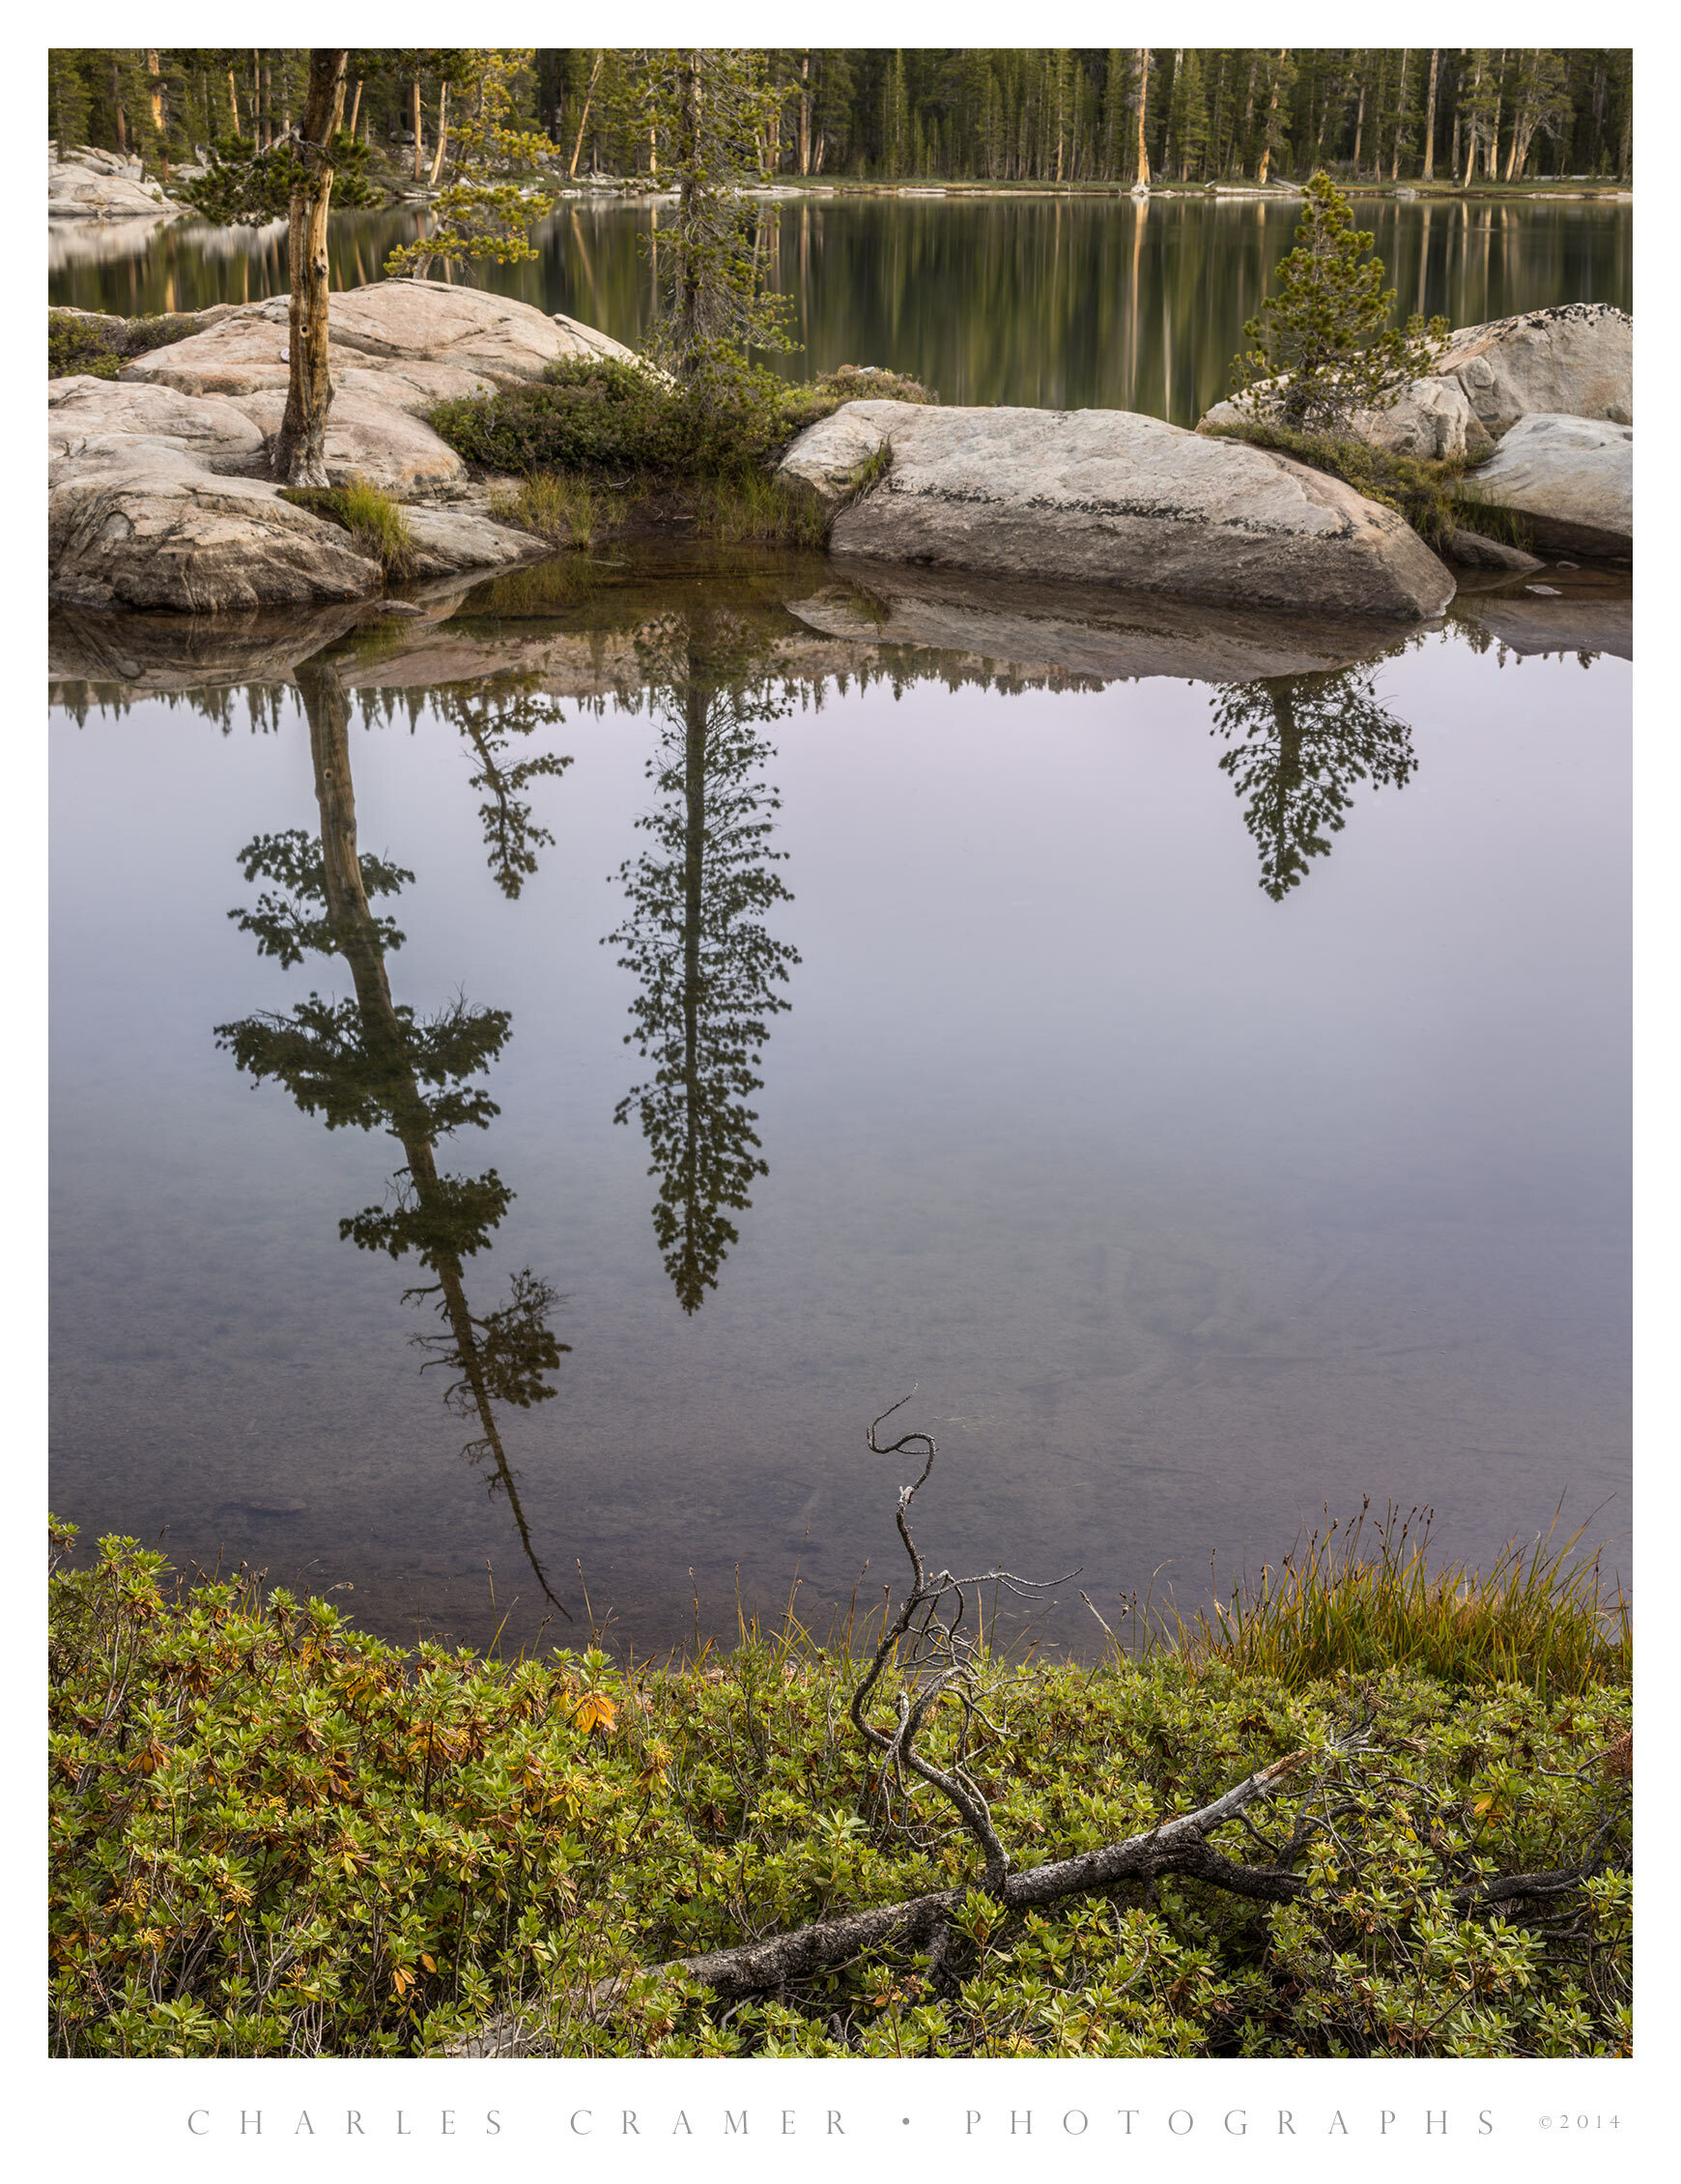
(442, 133)
(806, 112)
(234, 100)
(1141, 179)
(583, 118)
(117, 103)
(1271, 112)
(355, 108)
(1400, 115)
(299, 453)
(1430, 117)
(415, 125)
(155, 88)
(1360, 127)
(267, 106)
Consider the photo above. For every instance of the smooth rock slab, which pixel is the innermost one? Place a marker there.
(365, 438)
(178, 537)
(1574, 359)
(96, 425)
(424, 339)
(1573, 479)
(1108, 497)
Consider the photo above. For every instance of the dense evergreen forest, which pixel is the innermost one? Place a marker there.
(1373, 114)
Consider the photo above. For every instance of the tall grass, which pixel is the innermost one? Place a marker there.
(1543, 1616)
(564, 510)
(374, 520)
(747, 506)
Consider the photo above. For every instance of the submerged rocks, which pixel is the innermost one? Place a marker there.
(1571, 479)
(1108, 497)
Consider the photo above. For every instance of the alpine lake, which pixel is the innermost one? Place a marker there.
(1189, 1049)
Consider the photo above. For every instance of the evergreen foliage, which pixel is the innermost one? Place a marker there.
(497, 188)
(1013, 114)
(1322, 346)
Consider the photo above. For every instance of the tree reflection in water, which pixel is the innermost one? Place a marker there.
(696, 936)
(1303, 741)
(370, 1062)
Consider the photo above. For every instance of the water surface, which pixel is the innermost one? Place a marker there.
(1192, 1049)
(1062, 301)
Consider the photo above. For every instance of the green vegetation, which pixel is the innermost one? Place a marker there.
(495, 191)
(1435, 497)
(562, 509)
(1541, 1618)
(374, 520)
(99, 347)
(596, 436)
(1322, 345)
(272, 1834)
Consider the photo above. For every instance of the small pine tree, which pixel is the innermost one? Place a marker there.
(1322, 345)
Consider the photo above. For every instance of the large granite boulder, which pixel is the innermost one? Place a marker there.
(90, 185)
(1571, 479)
(1108, 497)
(415, 341)
(164, 532)
(1572, 359)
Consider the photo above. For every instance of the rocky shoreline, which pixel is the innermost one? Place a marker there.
(159, 494)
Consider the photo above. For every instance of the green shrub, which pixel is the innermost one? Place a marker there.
(1436, 498)
(374, 520)
(606, 419)
(100, 348)
(272, 1834)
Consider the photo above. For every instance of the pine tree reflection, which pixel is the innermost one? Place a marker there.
(696, 936)
(1304, 742)
(372, 1063)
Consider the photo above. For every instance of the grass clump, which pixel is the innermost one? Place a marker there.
(1543, 1618)
(565, 510)
(100, 348)
(748, 506)
(273, 1834)
(374, 520)
(1436, 497)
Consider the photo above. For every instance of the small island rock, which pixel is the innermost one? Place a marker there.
(1109, 497)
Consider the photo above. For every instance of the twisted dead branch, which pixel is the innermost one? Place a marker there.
(937, 1658)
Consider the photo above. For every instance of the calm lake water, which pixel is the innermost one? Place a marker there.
(1068, 303)
(1192, 1050)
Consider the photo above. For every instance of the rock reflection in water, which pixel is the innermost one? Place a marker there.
(1298, 746)
(707, 966)
(371, 1062)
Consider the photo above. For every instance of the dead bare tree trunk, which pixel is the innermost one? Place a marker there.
(583, 118)
(442, 132)
(1430, 117)
(299, 453)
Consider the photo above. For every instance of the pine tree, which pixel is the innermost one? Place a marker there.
(1324, 333)
(496, 189)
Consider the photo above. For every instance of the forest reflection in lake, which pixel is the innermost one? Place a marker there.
(1161, 1036)
(1065, 303)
